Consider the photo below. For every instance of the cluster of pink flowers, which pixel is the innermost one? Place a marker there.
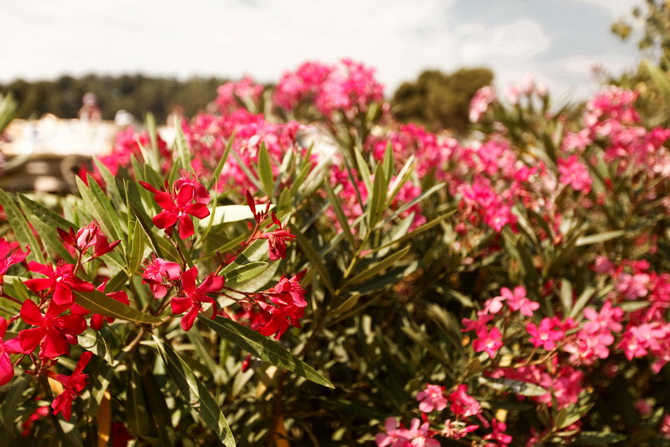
(465, 420)
(348, 88)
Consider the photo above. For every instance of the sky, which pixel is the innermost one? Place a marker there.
(557, 41)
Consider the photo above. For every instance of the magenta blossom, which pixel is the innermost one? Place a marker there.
(432, 398)
(160, 274)
(73, 385)
(54, 332)
(193, 297)
(10, 254)
(187, 198)
(60, 281)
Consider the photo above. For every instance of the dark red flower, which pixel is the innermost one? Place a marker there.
(193, 297)
(73, 385)
(6, 366)
(277, 240)
(187, 198)
(286, 307)
(54, 332)
(59, 281)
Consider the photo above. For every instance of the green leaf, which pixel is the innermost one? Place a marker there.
(99, 303)
(363, 171)
(264, 348)
(245, 272)
(195, 393)
(388, 162)
(582, 301)
(411, 203)
(159, 410)
(46, 215)
(377, 198)
(222, 161)
(265, 170)
(566, 295)
(416, 232)
(182, 148)
(54, 246)
(101, 211)
(21, 228)
(91, 340)
(226, 214)
(377, 267)
(339, 213)
(402, 178)
(600, 237)
(513, 386)
(598, 438)
(137, 420)
(314, 258)
(136, 249)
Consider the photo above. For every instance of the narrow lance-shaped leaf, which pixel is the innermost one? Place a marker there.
(222, 161)
(99, 303)
(339, 213)
(265, 170)
(195, 392)
(22, 230)
(378, 267)
(313, 258)
(264, 348)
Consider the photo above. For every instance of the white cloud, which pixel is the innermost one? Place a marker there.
(266, 37)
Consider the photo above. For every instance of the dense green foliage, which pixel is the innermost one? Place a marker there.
(137, 94)
(440, 101)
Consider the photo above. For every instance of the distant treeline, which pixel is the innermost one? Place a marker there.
(435, 100)
(137, 94)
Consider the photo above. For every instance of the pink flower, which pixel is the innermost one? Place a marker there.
(545, 335)
(87, 237)
(421, 435)
(488, 341)
(608, 319)
(10, 254)
(498, 433)
(517, 301)
(160, 274)
(480, 103)
(432, 398)
(457, 429)
(6, 366)
(187, 198)
(59, 281)
(193, 297)
(664, 427)
(632, 286)
(574, 174)
(73, 385)
(463, 404)
(395, 436)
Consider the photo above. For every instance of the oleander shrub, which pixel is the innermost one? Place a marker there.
(299, 269)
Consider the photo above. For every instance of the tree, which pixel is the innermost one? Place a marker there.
(655, 22)
(440, 101)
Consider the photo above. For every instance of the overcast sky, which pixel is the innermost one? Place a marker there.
(558, 41)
